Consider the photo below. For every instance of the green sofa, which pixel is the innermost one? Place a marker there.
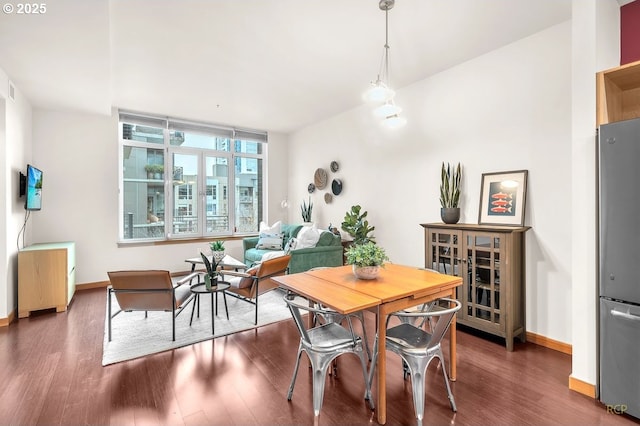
(327, 252)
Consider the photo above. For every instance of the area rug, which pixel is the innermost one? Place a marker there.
(134, 336)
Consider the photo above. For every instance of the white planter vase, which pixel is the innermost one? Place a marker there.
(217, 256)
(366, 272)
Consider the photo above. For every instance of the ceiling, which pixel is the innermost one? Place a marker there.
(275, 65)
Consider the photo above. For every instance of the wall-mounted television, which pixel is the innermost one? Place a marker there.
(33, 188)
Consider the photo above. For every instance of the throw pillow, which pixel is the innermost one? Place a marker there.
(270, 241)
(245, 282)
(291, 245)
(307, 237)
(276, 228)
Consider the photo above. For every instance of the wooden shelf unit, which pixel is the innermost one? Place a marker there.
(491, 262)
(46, 277)
(618, 94)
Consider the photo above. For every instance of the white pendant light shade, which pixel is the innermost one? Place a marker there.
(387, 109)
(394, 122)
(379, 92)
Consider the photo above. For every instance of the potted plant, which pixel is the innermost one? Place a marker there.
(150, 169)
(357, 226)
(366, 259)
(450, 193)
(159, 171)
(217, 250)
(211, 277)
(306, 210)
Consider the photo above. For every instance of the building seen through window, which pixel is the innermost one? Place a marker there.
(201, 195)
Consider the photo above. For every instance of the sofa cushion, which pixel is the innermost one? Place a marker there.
(307, 237)
(270, 241)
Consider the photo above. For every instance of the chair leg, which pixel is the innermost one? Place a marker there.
(295, 374)
(320, 365)
(173, 320)
(109, 304)
(452, 401)
(372, 368)
(417, 370)
(255, 321)
(367, 391)
(364, 335)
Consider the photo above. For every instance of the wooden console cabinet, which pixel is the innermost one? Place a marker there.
(491, 262)
(46, 277)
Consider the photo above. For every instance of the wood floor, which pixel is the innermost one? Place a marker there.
(51, 374)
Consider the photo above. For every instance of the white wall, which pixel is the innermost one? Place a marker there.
(506, 110)
(596, 46)
(15, 150)
(78, 154)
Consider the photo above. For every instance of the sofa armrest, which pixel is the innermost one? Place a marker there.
(249, 243)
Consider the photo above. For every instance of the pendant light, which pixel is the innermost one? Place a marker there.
(380, 90)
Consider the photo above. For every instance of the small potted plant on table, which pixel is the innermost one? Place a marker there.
(211, 277)
(366, 259)
(217, 250)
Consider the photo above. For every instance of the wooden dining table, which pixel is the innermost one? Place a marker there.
(397, 287)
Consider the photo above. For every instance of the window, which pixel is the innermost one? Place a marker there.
(213, 185)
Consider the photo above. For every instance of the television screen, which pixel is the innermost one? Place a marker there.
(34, 188)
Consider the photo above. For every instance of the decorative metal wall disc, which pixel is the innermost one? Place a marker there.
(311, 188)
(327, 197)
(320, 178)
(336, 186)
(334, 166)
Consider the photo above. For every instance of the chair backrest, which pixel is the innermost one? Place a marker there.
(296, 308)
(148, 290)
(273, 267)
(443, 316)
(262, 282)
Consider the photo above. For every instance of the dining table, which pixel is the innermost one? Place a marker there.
(397, 287)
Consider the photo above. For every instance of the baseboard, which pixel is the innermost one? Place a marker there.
(4, 322)
(584, 388)
(565, 348)
(574, 384)
(105, 284)
(88, 286)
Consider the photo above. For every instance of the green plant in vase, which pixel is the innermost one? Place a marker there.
(366, 259)
(211, 277)
(305, 210)
(356, 224)
(450, 193)
(217, 250)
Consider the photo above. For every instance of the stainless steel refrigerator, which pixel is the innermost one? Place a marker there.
(619, 266)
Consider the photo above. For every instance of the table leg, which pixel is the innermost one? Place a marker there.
(226, 309)
(213, 317)
(382, 366)
(452, 344)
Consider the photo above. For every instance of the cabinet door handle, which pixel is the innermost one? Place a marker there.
(625, 315)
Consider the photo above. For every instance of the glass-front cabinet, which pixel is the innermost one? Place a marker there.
(491, 262)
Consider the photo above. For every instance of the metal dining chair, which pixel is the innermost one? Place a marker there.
(333, 316)
(418, 347)
(323, 343)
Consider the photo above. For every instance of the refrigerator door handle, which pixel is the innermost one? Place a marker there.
(625, 315)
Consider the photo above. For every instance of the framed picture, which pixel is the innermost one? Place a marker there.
(502, 198)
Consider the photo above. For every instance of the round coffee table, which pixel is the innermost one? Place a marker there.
(201, 288)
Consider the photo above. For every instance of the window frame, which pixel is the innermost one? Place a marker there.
(168, 126)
